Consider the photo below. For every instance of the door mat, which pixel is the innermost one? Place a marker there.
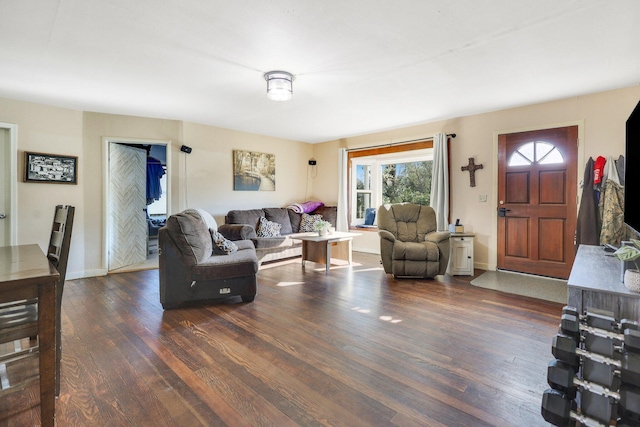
(528, 285)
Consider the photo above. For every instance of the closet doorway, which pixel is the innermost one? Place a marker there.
(130, 240)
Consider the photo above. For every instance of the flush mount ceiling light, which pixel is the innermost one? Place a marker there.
(279, 85)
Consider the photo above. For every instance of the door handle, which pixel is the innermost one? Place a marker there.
(502, 212)
(2, 216)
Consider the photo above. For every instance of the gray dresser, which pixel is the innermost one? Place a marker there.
(595, 282)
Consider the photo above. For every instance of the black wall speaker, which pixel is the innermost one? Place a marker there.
(185, 149)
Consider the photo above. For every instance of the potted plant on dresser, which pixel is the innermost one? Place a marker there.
(630, 253)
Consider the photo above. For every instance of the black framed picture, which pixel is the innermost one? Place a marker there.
(51, 168)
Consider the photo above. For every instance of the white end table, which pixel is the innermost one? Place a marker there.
(461, 260)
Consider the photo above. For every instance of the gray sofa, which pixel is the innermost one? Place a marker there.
(242, 224)
(190, 271)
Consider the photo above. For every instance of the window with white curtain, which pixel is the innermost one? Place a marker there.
(389, 178)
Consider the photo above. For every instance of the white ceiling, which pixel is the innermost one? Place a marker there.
(361, 66)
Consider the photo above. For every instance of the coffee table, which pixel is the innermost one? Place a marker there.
(321, 249)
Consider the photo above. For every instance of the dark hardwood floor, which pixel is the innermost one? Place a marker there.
(351, 348)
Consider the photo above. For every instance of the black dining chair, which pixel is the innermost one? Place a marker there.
(19, 319)
(58, 254)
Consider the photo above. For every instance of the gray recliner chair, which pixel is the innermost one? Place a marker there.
(190, 271)
(410, 245)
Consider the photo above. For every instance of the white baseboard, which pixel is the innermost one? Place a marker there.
(482, 266)
(86, 273)
(366, 250)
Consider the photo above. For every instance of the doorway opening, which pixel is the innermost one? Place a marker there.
(8, 183)
(137, 200)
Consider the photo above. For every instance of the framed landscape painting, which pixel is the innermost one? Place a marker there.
(254, 171)
(51, 168)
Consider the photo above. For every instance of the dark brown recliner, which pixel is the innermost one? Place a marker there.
(189, 271)
(410, 245)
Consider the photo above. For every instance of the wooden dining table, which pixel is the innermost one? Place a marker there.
(26, 273)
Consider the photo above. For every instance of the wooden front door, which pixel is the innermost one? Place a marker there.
(537, 207)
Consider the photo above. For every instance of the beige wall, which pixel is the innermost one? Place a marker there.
(201, 179)
(52, 130)
(95, 127)
(204, 177)
(209, 170)
(601, 118)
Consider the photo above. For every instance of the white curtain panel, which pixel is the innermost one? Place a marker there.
(342, 222)
(440, 181)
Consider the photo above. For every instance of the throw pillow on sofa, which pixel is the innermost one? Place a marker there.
(308, 222)
(268, 228)
(221, 245)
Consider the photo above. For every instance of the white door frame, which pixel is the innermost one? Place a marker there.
(106, 141)
(13, 181)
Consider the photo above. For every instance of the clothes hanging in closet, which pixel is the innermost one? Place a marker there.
(155, 171)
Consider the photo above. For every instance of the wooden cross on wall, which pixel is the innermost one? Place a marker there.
(471, 167)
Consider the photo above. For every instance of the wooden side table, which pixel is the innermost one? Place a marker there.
(461, 259)
(321, 249)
